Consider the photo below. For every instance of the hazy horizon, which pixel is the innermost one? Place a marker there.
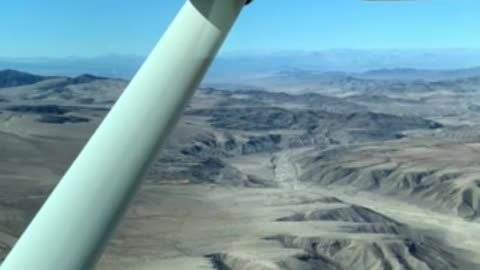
(261, 61)
(321, 36)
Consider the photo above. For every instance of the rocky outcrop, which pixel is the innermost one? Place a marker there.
(388, 170)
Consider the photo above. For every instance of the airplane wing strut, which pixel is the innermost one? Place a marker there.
(73, 226)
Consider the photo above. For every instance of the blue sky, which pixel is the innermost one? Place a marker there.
(59, 28)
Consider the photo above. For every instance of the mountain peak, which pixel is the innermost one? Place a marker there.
(86, 78)
(12, 78)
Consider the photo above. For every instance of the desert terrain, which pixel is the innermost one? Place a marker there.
(370, 171)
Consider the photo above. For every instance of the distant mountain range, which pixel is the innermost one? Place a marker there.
(398, 80)
(113, 66)
(14, 78)
(420, 74)
(231, 64)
